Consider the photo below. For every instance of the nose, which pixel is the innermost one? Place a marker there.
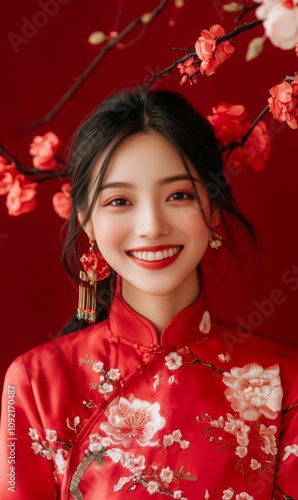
(151, 221)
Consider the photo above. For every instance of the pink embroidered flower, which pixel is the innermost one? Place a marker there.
(152, 487)
(97, 442)
(134, 464)
(254, 464)
(51, 435)
(166, 475)
(33, 434)
(114, 374)
(241, 451)
(36, 447)
(189, 70)
(280, 21)
(134, 420)
(62, 201)
(8, 172)
(230, 125)
(173, 361)
(254, 391)
(21, 197)
(290, 450)
(284, 101)
(212, 55)
(205, 324)
(244, 496)
(224, 358)
(228, 494)
(238, 428)
(268, 439)
(97, 366)
(43, 149)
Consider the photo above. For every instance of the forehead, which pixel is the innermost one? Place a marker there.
(145, 157)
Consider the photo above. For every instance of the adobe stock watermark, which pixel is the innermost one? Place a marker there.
(30, 27)
(262, 310)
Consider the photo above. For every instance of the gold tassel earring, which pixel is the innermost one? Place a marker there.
(95, 269)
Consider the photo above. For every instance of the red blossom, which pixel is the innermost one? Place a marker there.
(189, 70)
(21, 197)
(284, 101)
(8, 172)
(43, 149)
(209, 53)
(62, 201)
(230, 125)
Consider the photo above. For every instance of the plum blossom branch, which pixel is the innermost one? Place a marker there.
(144, 19)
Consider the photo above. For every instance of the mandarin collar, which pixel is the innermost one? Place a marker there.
(191, 324)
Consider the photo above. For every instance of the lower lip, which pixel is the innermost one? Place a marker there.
(155, 264)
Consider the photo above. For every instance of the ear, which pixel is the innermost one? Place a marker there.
(87, 226)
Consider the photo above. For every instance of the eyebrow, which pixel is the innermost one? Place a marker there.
(162, 182)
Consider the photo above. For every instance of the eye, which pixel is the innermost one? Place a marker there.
(181, 195)
(119, 202)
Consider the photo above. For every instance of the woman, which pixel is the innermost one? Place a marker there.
(154, 399)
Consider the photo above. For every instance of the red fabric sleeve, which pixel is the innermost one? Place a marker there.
(22, 472)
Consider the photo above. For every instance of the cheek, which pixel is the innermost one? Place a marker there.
(107, 231)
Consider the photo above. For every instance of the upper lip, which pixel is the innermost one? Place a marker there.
(153, 248)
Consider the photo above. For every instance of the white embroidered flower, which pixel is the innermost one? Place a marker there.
(177, 435)
(115, 454)
(33, 434)
(254, 464)
(105, 388)
(241, 451)
(114, 374)
(98, 366)
(184, 444)
(207, 496)
(254, 391)
(224, 358)
(152, 487)
(134, 464)
(95, 443)
(74, 425)
(220, 423)
(172, 380)
(244, 496)
(238, 428)
(205, 324)
(134, 420)
(122, 482)
(166, 475)
(156, 379)
(36, 447)
(228, 494)
(46, 454)
(168, 440)
(177, 494)
(60, 460)
(51, 435)
(290, 450)
(268, 439)
(173, 361)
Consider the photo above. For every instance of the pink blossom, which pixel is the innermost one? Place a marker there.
(212, 55)
(230, 125)
(254, 391)
(244, 496)
(290, 450)
(205, 324)
(228, 494)
(284, 101)
(166, 475)
(173, 361)
(152, 487)
(43, 149)
(21, 197)
(134, 464)
(280, 22)
(135, 420)
(51, 435)
(238, 428)
(268, 439)
(254, 464)
(189, 70)
(241, 451)
(8, 172)
(62, 201)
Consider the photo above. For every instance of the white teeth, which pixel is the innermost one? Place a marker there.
(152, 256)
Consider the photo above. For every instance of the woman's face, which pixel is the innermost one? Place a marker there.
(146, 222)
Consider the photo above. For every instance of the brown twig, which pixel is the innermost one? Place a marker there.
(86, 73)
(245, 11)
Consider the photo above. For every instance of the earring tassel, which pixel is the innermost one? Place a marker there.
(87, 299)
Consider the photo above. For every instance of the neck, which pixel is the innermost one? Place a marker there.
(161, 309)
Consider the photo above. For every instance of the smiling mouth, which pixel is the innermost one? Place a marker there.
(155, 256)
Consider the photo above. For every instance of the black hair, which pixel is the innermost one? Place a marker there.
(119, 117)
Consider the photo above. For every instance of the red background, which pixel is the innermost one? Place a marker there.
(37, 297)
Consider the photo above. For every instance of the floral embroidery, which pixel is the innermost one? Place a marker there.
(173, 361)
(205, 325)
(229, 494)
(224, 358)
(254, 391)
(133, 421)
(107, 379)
(290, 450)
(175, 437)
